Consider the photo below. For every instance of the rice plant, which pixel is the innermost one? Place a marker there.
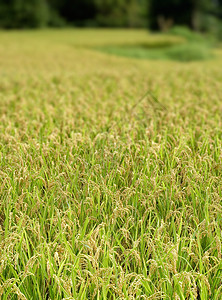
(107, 193)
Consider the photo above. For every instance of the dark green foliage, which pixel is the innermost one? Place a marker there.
(23, 13)
(164, 14)
(121, 13)
(196, 14)
(37, 13)
(78, 11)
(199, 15)
(55, 18)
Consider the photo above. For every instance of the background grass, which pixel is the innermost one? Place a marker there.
(107, 193)
(182, 53)
(183, 45)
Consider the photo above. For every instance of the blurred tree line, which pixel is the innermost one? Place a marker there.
(200, 15)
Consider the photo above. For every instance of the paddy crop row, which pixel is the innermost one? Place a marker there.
(110, 171)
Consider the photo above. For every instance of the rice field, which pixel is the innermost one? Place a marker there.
(110, 169)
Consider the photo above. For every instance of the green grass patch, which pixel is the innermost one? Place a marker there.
(190, 47)
(185, 53)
